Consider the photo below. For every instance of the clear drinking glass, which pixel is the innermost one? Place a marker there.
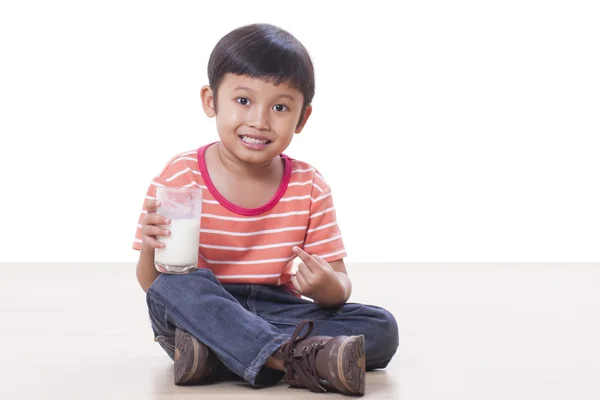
(184, 207)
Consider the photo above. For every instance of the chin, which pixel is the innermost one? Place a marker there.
(248, 156)
(255, 158)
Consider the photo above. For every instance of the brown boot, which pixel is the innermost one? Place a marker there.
(194, 362)
(322, 363)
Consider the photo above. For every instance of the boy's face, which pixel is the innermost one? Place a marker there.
(256, 120)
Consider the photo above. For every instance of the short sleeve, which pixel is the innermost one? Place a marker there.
(323, 236)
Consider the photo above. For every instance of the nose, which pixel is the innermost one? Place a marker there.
(258, 118)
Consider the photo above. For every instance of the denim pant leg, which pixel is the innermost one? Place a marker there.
(285, 311)
(198, 304)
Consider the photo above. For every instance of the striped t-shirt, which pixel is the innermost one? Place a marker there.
(243, 245)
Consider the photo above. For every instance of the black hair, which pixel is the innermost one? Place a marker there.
(266, 52)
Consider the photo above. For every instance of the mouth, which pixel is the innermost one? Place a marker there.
(255, 141)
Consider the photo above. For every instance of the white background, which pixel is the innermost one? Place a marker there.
(450, 131)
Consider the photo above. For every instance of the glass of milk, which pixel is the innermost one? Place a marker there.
(184, 207)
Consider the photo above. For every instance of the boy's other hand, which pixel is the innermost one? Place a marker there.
(315, 277)
(151, 228)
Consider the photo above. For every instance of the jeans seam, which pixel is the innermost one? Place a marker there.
(162, 318)
(251, 299)
(251, 371)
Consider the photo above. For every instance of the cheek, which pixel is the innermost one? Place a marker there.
(229, 117)
(288, 124)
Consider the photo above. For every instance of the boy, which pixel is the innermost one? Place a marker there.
(241, 312)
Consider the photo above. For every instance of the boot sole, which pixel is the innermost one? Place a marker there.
(351, 364)
(187, 348)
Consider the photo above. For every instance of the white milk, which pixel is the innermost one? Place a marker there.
(181, 248)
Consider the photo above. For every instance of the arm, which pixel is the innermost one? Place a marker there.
(150, 228)
(149, 223)
(145, 271)
(336, 298)
(328, 283)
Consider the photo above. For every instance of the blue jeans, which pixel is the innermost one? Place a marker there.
(245, 324)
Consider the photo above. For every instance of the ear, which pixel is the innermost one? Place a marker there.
(307, 113)
(208, 101)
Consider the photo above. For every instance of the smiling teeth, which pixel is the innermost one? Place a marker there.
(254, 141)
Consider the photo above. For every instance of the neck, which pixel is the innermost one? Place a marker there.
(238, 167)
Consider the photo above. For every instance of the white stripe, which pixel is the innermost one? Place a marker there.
(322, 212)
(268, 246)
(300, 183)
(333, 254)
(323, 241)
(291, 198)
(309, 169)
(321, 227)
(144, 212)
(247, 276)
(291, 228)
(184, 158)
(195, 184)
(137, 240)
(266, 261)
(139, 225)
(189, 152)
(305, 183)
(188, 169)
(295, 198)
(204, 201)
(157, 184)
(321, 197)
(248, 219)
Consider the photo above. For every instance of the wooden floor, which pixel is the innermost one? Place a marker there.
(481, 332)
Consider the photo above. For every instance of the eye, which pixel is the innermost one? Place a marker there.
(243, 101)
(280, 108)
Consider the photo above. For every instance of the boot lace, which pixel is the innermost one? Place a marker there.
(301, 369)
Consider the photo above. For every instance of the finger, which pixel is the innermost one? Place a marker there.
(296, 284)
(304, 256)
(153, 230)
(156, 219)
(321, 261)
(152, 205)
(153, 243)
(305, 272)
(301, 278)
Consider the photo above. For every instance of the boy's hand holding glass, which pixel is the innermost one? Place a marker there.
(151, 226)
(171, 228)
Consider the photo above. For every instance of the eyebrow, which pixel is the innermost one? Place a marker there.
(287, 96)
